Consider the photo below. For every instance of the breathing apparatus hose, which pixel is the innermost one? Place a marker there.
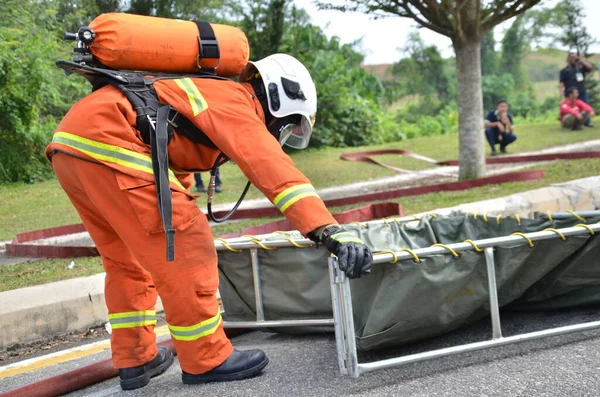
(221, 159)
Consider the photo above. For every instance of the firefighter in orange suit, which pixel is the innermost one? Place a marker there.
(105, 168)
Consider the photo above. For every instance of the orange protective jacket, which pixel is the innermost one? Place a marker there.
(101, 128)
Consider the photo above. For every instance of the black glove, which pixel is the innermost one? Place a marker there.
(355, 258)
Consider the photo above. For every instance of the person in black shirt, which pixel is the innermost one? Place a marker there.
(499, 127)
(573, 75)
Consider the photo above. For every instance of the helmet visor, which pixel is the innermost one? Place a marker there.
(296, 136)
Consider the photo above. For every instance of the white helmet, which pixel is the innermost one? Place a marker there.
(291, 96)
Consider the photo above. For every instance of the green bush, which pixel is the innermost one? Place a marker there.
(523, 103)
(33, 92)
(22, 81)
(428, 117)
(496, 88)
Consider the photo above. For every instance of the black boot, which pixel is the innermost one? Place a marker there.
(240, 365)
(136, 377)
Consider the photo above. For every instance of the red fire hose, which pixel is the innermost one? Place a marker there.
(74, 380)
(84, 377)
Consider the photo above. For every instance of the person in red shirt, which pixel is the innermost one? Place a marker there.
(573, 111)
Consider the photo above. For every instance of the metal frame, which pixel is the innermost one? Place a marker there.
(341, 295)
(292, 239)
(344, 321)
(260, 311)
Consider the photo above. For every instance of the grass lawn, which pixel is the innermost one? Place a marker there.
(47, 271)
(27, 207)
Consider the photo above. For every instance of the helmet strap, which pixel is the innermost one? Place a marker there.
(277, 126)
(261, 95)
(273, 124)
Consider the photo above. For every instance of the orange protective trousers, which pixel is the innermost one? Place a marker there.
(121, 214)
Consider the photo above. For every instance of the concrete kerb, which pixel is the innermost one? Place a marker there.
(578, 195)
(35, 313)
(3, 245)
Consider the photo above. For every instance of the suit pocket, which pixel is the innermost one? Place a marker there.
(141, 194)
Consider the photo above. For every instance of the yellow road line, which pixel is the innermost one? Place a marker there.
(60, 357)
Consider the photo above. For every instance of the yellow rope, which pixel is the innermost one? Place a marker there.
(365, 225)
(256, 240)
(576, 215)
(587, 227)
(397, 222)
(282, 232)
(475, 214)
(529, 242)
(431, 214)
(454, 253)
(551, 229)
(485, 217)
(549, 216)
(393, 255)
(295, 244)
(498, 218)
(412, 253)
(261, 245)
(386, 222)
(475, 247)
(518, 218)
(226, 245)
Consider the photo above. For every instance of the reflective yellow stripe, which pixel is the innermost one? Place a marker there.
(341, 234)
(293, 194)
(290, 190)
(346, 237)
(196, 331)
(131, 314)
(132, 319)
(110, 153)
(349, 240)
(196, 99)
(297, 198)
(133, 324)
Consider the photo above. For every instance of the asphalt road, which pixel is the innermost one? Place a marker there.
(306, 366)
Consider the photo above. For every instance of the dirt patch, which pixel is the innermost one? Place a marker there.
(21, 351)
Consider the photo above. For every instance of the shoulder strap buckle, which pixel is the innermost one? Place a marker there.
(171, 119)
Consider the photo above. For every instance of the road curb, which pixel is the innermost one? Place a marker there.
(577, 195)
(35, 313)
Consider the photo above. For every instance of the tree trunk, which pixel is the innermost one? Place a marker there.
(470, 108)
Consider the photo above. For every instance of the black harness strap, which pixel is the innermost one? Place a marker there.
(188, 129)
(160, 165)
(145, 102)
(208, 46)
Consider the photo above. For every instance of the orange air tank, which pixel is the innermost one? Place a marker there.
(136, 42)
